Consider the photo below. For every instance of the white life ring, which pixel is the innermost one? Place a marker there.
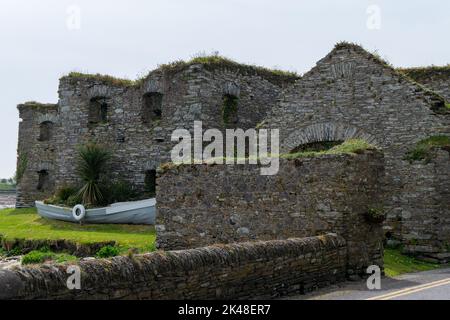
(78, 212)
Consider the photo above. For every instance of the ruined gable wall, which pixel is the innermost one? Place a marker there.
(351, 94)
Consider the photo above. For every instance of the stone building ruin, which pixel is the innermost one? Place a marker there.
(350, 93)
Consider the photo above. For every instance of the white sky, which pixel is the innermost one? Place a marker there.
(129, 37)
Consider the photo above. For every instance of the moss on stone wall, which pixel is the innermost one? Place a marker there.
(426, 73)
(22, 163)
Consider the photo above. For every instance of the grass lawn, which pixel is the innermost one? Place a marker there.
(6, 187)
(396, 263)
(27, 224)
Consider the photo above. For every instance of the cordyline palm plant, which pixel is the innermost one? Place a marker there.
(91, 165)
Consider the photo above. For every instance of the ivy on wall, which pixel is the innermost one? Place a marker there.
(22, 163)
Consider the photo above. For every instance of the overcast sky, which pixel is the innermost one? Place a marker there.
(42, 40)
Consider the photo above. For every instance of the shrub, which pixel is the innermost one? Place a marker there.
(37, 256)
(91, 165)
(120, 191)
(62, 195)
(73, 200)
(65, 193)
(107, 251)
(44, 254)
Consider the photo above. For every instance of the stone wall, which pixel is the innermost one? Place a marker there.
(238, 271)
(434, 78)
(35, 155)
(189, 94)
(204, 204)
(351, 93)
(427, 189)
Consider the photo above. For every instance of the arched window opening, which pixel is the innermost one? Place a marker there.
(316, 146)
(230, 110)
(43, 180)
(152, 107)
(98, 111)
(150, 182)
(45, 131)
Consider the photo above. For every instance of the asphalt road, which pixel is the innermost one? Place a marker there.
(427, 285)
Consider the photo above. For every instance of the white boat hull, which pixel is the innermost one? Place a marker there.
(134, 212)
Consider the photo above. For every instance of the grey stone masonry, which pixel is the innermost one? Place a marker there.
(205, 204)
(36, 155)
(351, 93)
(188, 94)
(434, 78)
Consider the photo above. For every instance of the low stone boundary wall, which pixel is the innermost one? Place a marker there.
(247, 270)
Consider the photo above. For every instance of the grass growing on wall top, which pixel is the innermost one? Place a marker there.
(100, 77)
(427, 73)
(27, 224)
(351, 146)
(216, 61)
(210, 62)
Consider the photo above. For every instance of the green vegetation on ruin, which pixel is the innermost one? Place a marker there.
(100, 77)
(210, 62)
(216, 61)
(395, 263)
(22, 163)
(45, 255)
(427, 73)
(27, 224)
(351, 146)
(424, 149)
(35, 104)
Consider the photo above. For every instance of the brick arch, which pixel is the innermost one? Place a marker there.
(325, 132)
